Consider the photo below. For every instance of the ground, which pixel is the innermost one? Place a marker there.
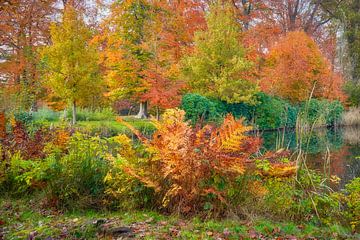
(27, 219)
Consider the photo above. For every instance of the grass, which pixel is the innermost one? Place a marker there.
(351, 117)
(24, 217)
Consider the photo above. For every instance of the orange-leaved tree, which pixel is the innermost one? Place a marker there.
(295, 68)
(182, 162)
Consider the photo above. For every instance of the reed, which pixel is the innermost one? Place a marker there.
(351, 117)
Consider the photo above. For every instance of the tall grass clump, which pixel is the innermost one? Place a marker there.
(103, 114)
(45, 114)
(351, 117)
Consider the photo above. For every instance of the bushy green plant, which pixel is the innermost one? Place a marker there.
(353, 91)
(77, 177)
(198, 107)
(45, 114)
(272, 112)
(352, 201)
(84, 114)
(24, 117)
(335, 111)
(322, 112)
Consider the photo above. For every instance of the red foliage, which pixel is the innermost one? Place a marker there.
(30, 147)
(162, 92)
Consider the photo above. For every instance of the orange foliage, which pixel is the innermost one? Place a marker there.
(295, 66)
(61, 138)
(182, 159)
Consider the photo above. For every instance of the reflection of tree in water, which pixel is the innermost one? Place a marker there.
(352, 164)
(351, 135)
(343, 143)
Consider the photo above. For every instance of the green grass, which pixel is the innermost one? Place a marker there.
(21, 217)
(106, 128)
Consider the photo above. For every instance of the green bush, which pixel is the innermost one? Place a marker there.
(353, 91)
(76, 179)
(198, 107)
(103, 114)
(322, 112)
(352, 200)
(268, 113)
(272, 113)
(335, 111)
(24, 117)
(45, 114)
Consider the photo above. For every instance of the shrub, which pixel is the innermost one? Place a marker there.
(102, 114)
(198, 107)
(185, 166)
(353, 91)
(76, 179)
(272, 112)
(28, 146)
(322, 112)
(352, 201)
(335, 112)
(23, 117)
(45, 114)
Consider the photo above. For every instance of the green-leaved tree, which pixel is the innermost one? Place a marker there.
(219, 67)
(71, 64)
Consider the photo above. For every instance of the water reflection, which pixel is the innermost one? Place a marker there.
(343, 144)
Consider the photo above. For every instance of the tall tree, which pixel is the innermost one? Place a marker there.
(295, 68)
(124, 57)
(348, 11)
(24, 26)
(72, 70)
(143, 42)
(219, 66)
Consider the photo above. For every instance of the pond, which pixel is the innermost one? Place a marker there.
(343, 145)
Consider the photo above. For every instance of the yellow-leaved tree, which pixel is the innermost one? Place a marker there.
(71, 68)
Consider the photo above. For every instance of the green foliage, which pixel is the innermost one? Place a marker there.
(76, 179)
(219, 67)
(352, 201)
(198, 107)
(272, 112)
(102, 114)
(45, 114)
(353, 91)
(24, 117)
(322, 112)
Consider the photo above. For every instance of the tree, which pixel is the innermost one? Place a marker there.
(219, 66)
(123, 57)
(348, 12)
(144, 42)
(295, 68)
(24, 28)
(71, 68)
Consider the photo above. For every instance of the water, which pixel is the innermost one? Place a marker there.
(342, 143)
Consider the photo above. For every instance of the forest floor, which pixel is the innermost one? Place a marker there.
(26, 219)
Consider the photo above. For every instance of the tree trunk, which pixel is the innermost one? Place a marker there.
(74, 113)
(143, 114)
(157, 113)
